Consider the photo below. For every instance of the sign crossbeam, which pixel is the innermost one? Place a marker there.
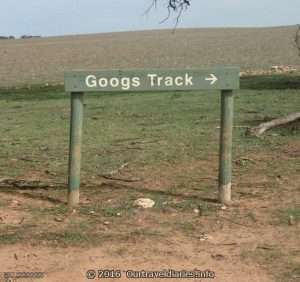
(79, 81)
(152, 80)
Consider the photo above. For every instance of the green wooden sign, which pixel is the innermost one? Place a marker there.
(152, 80)
(225, 79)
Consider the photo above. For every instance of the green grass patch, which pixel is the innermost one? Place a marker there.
(40, 212)
(252, 216)
(11, 238)
(108, 210)
(286, 267)
(121, 251)
(3, 203)
(266, 257)
(69, 237)
(292, 273)
(170, 141)
(171, 127)
(284, 215)
(147, 233)
(275, 81)
(76, 233)
(187, 228)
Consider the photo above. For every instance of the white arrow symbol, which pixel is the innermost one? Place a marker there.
(212, 78)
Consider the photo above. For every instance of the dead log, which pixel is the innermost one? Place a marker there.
(258, 130)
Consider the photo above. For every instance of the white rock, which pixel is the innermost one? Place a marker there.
(291, 220)
(144, 203)
(196, 211)
(203, 238)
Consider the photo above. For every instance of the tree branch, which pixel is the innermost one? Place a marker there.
(173, 6)
(154, 2)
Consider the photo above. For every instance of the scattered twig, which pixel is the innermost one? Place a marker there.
(217, 257)
(222, 243)
(236, 126)
(27, 160)
(170, 242)
(245, 193)
(23, 184)
(120, 179)
(133, 145)
(140, 142)
(118, 169)
(22, 220)
(3, 180)
(125, 149)
(265, 197)
(110, 177)
(264, 248)
(243, 160)
(227, 244)
(238, 223)
(208, 178)
(246, 159)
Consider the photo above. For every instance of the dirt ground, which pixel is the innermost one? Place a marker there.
(219, 250)
(242, 242)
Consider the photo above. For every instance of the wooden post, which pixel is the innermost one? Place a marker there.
(225, 147)
(75, 149)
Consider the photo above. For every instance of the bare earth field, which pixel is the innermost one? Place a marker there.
(162, 146)
(44, 60)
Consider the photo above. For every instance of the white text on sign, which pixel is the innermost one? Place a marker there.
(156, 80)
(126, 83)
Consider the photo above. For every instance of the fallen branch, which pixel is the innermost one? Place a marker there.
(120, 179)
(258, 130)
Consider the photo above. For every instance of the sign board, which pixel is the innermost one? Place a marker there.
(152, 80)
(224, 79)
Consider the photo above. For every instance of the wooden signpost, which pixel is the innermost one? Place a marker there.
(224, 79)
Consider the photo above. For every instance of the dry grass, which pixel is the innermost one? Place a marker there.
(43, 60)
